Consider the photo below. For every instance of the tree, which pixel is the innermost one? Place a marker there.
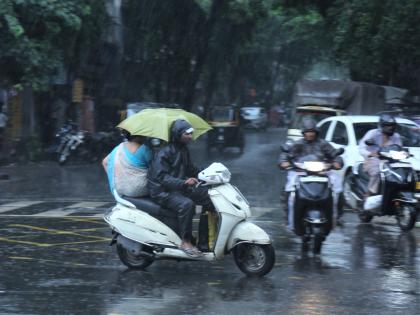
(286, 43)
(38, 36)
(379, 40)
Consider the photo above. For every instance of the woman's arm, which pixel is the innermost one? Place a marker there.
(105, 162)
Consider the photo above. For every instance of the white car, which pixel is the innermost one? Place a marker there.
(346, 132)
(255, 117)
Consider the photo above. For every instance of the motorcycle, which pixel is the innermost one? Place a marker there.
(313, 200)
(64, 141)
(73, 144)
(398, 186)
(145, 232)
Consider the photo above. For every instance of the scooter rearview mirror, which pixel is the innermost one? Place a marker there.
(370, 142)
(339, 151)
(285, 148)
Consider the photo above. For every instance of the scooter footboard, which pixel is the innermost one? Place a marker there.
(247, 232)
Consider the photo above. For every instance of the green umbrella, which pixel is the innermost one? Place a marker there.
(156, 122)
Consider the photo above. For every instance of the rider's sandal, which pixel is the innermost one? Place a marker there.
(192, 252)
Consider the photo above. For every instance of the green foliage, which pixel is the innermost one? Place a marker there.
(36, 35)
(379, 40)
(222, 46)
(205, 5)
(34, 148)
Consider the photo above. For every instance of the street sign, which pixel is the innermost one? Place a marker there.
(77, 96)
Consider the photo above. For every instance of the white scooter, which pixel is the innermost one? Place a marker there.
(141, 238)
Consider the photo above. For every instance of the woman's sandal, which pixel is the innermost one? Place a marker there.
(192, 252)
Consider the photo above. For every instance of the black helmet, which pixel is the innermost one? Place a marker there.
(178, 127)
(387, 124)
(309, 124)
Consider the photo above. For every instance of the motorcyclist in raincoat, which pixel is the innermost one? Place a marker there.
(311, 144)
(172, 180)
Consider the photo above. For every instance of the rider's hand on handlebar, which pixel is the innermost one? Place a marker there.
(336, 166)
(285, 164)
(191, 181)
(373, 154)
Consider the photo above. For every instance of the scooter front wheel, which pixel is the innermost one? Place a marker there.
(133, 261)
(318, 239)
(365, 217)
(406, 217)
(254, 259)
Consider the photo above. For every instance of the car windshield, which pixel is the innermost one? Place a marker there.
(301, 115)
(410, 134)
(222, 114)
(250, 110)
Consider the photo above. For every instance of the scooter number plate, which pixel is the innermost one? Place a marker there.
(417, 185)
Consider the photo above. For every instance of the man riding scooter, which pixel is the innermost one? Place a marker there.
(380, 137)
(311, 144)
(172, 180)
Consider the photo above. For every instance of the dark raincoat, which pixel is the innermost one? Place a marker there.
(172, 165)
(170, 168)
(318, 147)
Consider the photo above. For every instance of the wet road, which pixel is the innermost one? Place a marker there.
(55, 259)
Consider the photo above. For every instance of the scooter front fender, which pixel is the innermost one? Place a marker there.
(247, 232)
(406, 197)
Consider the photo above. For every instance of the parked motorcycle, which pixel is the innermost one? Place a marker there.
(62, 141)
(313, 200)
(145, 232)
(82, 146)
(78, 146)
(398, 187)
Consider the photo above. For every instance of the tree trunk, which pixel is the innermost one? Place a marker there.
(211, 86)
(28, 112)
(202, 53)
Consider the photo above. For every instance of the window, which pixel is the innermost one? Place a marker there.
(340, 134)
(324, 129)
(300, 115)
(360, 129)
(410, 135)
(222, 114)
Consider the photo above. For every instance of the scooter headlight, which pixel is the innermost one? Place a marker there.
(226, 176)
(314, 166)
(398, 155)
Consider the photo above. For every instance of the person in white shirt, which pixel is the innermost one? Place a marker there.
(380, 137)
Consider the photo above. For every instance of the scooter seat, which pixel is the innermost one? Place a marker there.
(147, 205)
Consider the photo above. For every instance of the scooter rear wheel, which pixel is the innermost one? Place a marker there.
(365, 217)
(254, 259)
(318, 239)
(133, 261)
(406, 217)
